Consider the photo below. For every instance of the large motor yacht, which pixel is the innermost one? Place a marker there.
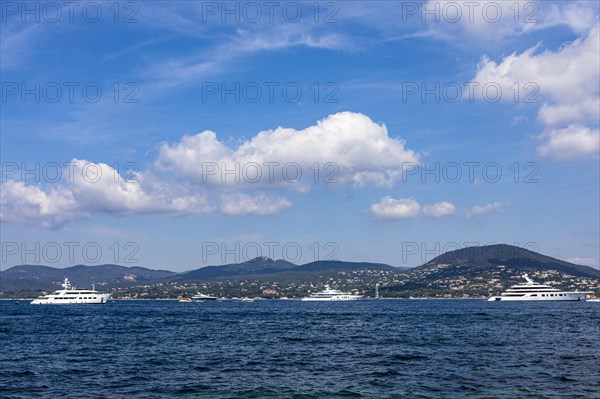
(71, 295)
(329, 294)
(531, 291)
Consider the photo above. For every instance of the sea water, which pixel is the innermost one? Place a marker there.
(292, 349)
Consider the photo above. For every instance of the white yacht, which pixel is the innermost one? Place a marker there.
(531, 291)
(71, 295)
(329, 294)
(204, 297)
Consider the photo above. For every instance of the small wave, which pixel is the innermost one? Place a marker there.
(344, 393)
(191, 389)
(386, 373)
(25, 373)
(294, 339)
(564, 378)
(405, 357)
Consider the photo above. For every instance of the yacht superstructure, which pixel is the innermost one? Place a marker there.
(531, 291)
(71, 295)
(329, 294)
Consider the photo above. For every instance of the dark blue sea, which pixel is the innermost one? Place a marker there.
(291, 349)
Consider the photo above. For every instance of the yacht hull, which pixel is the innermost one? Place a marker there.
(530, 291)
(569, 296)
(331, 295)
(72, 296)
(345, 298)
(102, 299)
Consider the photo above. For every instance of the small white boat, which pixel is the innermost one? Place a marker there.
(203, 297)
(247, 299)
(70, 295)
(593, 300)
(531, 291)
(329, 294)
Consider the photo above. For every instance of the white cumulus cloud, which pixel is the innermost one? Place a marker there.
(567, 84)
(439, 209)
(570, 143)
(93, 188)
(389, 208)
(345, 148)
(488, 208)
(30, 205)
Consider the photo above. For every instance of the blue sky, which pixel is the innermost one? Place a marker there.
(389, 91)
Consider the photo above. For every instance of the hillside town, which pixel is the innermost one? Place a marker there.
(392, 285)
